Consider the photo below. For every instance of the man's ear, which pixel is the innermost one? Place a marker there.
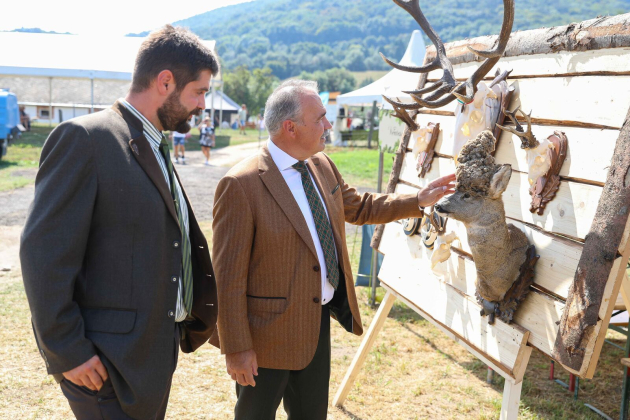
(289, 126)
(500, 181)
(165, 82)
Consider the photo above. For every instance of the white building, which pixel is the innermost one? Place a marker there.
(57, 77)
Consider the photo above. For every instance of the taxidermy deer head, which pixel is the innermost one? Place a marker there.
(446, 89)
(498, 249)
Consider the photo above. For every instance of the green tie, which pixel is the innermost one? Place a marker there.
(186, 262)
(322, 225)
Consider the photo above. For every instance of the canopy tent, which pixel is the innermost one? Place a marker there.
(394, 82)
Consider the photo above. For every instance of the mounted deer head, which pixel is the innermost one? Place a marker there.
(498, 249)
(446, 90)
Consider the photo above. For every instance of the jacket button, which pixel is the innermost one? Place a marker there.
(316, 268)
(175, 244)
(316, 299)
(171, 314)
(174, 279)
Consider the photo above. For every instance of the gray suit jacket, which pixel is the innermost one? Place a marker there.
(98, 259)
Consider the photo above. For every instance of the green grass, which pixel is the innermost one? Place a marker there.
(359, 167)
(16, 168)
(374, 74)
(224, 138)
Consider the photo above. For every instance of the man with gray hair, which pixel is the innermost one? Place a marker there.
(280, 257)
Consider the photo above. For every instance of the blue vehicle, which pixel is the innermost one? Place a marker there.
(9, 119)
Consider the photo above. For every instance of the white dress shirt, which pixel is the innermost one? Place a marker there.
(292, 177)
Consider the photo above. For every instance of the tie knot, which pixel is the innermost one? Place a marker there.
(300, 166)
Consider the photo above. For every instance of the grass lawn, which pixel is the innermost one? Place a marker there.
(19, 166)
(359, 166)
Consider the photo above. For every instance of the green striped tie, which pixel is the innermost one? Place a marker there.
(186, 262)
(322, 225)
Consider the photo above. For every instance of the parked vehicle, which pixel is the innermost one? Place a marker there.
(10, 126)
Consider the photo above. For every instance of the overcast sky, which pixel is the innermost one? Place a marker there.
(104, 17)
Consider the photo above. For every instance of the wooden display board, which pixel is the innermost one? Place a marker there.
(574, 79)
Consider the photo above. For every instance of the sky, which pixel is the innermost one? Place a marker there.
(98, 18)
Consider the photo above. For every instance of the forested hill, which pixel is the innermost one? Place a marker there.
(290, 36)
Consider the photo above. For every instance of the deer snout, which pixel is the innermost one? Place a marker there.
(440, 209)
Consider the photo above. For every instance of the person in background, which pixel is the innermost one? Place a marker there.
(242, 119)
(206, 138)
(179, 139)
(115, 267)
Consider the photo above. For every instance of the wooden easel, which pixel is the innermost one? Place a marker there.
(582, 237)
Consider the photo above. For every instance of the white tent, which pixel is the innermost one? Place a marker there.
(394, 82)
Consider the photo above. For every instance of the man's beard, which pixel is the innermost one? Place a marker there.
(174, 116)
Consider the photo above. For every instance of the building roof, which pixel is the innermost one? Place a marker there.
(70, 56)
(227, 104)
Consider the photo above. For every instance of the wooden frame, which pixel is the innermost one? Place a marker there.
(583, 235)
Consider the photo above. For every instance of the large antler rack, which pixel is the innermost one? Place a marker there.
(445, 90)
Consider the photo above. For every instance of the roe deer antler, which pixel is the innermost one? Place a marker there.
(445, 90)
(528, 140)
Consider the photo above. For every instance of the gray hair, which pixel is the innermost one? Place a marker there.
(285, 103)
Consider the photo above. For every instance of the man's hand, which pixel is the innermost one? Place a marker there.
(437, 189)
(90, 374)
(242, 367)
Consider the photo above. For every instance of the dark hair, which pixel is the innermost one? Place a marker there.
(174, 49)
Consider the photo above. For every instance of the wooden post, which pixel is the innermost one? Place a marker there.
(364, 349)
(511, 399)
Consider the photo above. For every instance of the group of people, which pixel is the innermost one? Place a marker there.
(206, 141)
(118, 273)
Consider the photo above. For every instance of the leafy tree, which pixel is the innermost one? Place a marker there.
(250, 88)
(332, 80)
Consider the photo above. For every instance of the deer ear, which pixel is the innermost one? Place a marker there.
(500, 181)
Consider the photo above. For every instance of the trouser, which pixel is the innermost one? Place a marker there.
(103, 404)
(304, 392)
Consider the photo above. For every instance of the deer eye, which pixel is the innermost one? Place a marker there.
(466, 195)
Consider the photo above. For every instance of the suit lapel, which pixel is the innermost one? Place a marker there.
(324, 190)
(275, 183)
(146, 158)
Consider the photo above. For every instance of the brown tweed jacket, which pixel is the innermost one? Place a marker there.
(266, 266)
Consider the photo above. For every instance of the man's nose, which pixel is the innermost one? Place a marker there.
(327, 124)
(201, 103)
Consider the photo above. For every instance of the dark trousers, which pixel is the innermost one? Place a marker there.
(103, 404)
(304, 392)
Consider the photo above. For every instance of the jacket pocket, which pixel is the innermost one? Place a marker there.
(276, 305)
(114, 321)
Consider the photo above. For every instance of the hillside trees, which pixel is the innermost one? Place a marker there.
(249, 87)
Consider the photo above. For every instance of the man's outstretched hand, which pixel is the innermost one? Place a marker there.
(90, 374)
(437, 189)
(242, 367)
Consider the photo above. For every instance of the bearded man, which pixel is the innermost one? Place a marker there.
(116, 270)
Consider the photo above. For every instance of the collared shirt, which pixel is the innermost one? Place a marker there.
(155, 136)
(293, 178)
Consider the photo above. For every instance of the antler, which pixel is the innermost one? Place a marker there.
(528, 140)
(445, 89)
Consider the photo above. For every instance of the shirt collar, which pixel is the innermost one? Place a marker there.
(149, 128)
(281, 158)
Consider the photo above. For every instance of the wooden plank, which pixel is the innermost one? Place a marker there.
(457, 312)
(608, 237)
(609, 62)
(511, 400)
(563, 99)
(588, 155)
(538, 314)
(624, 295)
(364, 349)
(570, 213)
